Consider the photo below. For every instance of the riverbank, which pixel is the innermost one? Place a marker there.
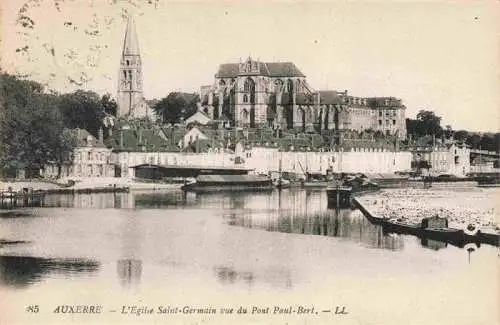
(472, 205)
(86, 184)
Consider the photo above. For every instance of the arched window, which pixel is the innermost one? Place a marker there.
(245, 98)
(249, 85)
(289, 85)
(278, 84)
(245, 114)
(128, 62)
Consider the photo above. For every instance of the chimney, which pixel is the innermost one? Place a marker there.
(100, 136)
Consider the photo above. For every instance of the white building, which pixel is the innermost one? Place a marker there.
(452, 159)
(89, 159)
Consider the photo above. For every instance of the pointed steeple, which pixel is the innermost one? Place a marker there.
(130, 98)
(130, 43)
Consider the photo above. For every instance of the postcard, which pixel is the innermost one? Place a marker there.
(249, 162)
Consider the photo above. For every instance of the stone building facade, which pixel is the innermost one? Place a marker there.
(277, 94)
(444, 158)
(90, 158)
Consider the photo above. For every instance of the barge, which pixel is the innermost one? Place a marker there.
(435, 228)
(339, 196)
(211, 183)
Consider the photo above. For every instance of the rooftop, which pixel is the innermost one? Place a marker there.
(270, 69)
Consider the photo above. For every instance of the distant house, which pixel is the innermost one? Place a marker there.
(198, 118)
(440, 158)
(89, 159)
(194, 134)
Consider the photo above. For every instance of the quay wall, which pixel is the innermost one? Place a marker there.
(368, 161)
(264, 160)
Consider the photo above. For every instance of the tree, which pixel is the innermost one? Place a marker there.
(474, 140)
(176, 106)
(109, 105)
(428, 123)
(31, 131)
(63, 146)
(82, 109)
(448, 131)
(169, 108)
(460, 135)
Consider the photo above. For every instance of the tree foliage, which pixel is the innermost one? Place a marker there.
(109, 105)
(32, 131)
(82, 109)
(427, 123)
(176, 107)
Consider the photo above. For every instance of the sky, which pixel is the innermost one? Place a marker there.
(437, 55)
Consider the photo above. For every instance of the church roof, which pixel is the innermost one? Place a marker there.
(130, 43)
(304, 99)
(330, 97)
(283, 69)
(270, 69)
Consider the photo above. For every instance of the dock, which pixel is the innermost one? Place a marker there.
(27, 197)
(90, 190)
(24, 198)
(453, 236)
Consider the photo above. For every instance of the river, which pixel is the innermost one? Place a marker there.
(167, 250)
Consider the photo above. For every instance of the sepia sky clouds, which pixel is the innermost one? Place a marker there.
(442, 56)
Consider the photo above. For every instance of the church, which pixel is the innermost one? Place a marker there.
(256, 94)
(276, 94)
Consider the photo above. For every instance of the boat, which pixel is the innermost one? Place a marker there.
(435, 228)
(22, 198)
(386, 180)
(488, 181)
(210, 183)
(314, 184)
(283, 183)
(339, 196)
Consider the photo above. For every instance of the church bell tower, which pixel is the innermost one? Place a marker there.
(130, 96)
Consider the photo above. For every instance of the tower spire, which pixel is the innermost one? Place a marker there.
(130, 98)
(130, 43)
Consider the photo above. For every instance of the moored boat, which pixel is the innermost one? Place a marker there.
(210, 183)
(339, 196)
(488, 181)
(314, 184)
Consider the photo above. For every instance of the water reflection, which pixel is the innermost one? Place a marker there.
(276, 277)
(129, 272)
(227, 275)
(305, 212)
(14, 214)
(21, 271)
(432, 244)
(289, 211)
(132, 200)
(129, 267)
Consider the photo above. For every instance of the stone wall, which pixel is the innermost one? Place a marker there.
(369, 160)
(264, 159)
